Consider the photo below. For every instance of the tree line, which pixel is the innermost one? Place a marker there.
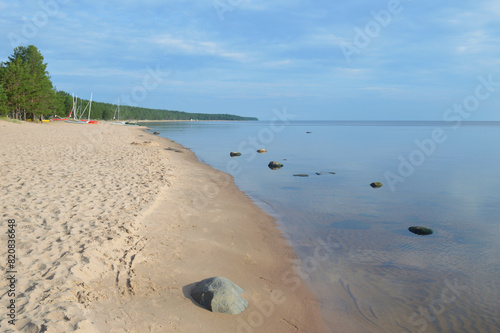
(27, 92)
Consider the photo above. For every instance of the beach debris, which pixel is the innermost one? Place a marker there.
(376, 185)
(156, 133)
(234, 154)
(262, 151)
(219, 294)
(301, 175)
(174, 149)
(273, 165)
(422, 231)
(146, 143)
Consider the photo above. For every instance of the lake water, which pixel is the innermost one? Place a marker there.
(370, 272)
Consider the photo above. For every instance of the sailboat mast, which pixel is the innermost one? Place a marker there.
(90, 107)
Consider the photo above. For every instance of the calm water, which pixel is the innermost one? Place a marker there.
(371, 273)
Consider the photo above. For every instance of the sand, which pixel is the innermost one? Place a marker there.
(114, 226)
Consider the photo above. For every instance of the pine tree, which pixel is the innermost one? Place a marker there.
(28, 83)
(3, 102)
(15, 81)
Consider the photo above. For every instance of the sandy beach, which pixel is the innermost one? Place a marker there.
(114, 226)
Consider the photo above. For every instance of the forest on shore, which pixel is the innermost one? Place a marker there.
(27, 92)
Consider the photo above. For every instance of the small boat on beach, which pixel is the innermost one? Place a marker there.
(77, 117)
(117, 117)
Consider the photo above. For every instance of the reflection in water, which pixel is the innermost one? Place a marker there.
(370, 272)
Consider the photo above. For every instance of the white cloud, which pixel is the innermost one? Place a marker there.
(262, 5)
(279, 63)
(194, 47)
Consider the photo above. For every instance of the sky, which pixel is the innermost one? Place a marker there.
(315, 60)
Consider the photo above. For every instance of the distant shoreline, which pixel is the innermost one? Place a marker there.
(194, 121)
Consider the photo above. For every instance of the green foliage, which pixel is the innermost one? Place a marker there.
(27, 84)
(106, 111)
(3, 102)
(26, 90)
(15, 121)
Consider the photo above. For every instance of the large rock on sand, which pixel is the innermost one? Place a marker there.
(219, 294)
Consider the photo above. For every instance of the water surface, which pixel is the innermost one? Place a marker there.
(353, 240)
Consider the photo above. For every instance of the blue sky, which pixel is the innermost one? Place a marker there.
(338, 60)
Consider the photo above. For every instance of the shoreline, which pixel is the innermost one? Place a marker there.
(194, 121)
(155, 221)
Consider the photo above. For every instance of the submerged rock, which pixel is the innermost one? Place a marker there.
(262, 151)
(156, 133)
(376, 185)
(324, 173)
(219, 294)
(422, 231)
(273, 165)
(234, 154)
(301, 175)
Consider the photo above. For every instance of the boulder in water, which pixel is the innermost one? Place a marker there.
(262, 151)
(234, 154)
(273, 165)
(219, 294)
(422, 231)
(376, 185)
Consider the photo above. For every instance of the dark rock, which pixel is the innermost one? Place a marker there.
(262, 151)
(156, 133)
(308, 132)
(174, 149)
(219, 294)
(273, 165)
(324, 173)
(301, 175)
(422, 231)
(234, 154)
(376, 185)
